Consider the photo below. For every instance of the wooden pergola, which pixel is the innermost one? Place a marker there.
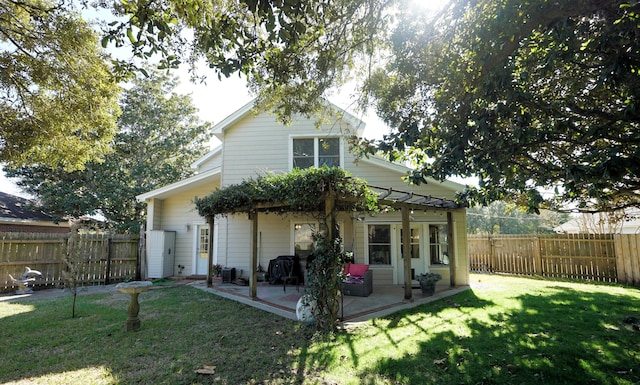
(403, 201)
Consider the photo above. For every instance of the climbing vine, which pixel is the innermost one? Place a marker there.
(323, 282)
(298, 191)
(303, 191)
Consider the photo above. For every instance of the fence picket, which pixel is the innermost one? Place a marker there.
(44, 252)
(578, 256)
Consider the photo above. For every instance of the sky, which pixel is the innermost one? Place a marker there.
(217, 99)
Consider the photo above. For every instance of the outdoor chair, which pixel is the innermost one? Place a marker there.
(358, 280)
(285, 268)
(291, 278)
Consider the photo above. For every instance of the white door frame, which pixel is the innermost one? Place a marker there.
(196, 237)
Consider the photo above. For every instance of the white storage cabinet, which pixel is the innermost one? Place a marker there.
(161, 247)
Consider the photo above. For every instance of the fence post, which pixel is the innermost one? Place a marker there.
(627, 251)
(492, 255)
(108, 273)
(141, 254)
(537, 257)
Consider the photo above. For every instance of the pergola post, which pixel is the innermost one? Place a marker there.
(253, 264)
(452, 255)
(329, 205)
(406, 251)
(211, 222)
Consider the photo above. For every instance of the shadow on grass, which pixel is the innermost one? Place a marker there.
(561, 337)
(183, 329)
(558, 335)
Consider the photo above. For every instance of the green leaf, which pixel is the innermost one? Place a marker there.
(132, 38)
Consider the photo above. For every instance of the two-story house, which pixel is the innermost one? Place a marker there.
(253, 144)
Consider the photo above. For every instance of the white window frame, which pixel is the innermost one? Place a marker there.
(316, 147)
(429, 244)
(312, 222)
(393, 254)
(395, 226)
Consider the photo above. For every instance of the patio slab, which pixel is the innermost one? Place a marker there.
(272, 298)
(383, 301)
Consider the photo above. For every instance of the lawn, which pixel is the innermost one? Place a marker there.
(504, 331)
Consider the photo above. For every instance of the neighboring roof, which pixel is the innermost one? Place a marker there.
(580, 225)
(183, 185)
(16, 209)
(402, 169)
(219, 129)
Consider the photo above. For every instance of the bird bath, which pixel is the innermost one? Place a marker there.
(133, 289)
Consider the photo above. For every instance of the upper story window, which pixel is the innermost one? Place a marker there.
(316, 152)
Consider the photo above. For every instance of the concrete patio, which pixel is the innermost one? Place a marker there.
(273, 298)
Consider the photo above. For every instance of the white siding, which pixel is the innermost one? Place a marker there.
(259, 143)
(384, 275)
(256, 144)
(179, 214)
(214, 162)
(382, 177)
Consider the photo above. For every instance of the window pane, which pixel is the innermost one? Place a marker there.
(329, 161)
(379, 244)
(329, 152)
(203, 242)
(303, 154)
(303, 147)
(415, 243)
(329, 146)
(379, 234)
(303, 239)
(380, 254)
(438, 245)
(302, 162)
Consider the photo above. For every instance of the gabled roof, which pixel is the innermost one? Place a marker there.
(402, 169)
(219, 129)
(183, 185)
(16, 209)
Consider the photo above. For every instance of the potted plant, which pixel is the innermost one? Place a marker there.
(428, 282)
(216, 270)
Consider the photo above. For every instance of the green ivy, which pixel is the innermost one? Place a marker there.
(301, 190)
(323, 282)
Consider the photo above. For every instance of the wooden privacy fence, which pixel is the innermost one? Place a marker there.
(606, 258)
(107, 258)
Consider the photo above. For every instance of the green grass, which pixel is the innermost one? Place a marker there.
(504, 331)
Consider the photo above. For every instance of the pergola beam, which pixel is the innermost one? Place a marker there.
(397, 199)
(405, 203)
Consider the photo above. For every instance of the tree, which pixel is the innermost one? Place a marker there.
(507, 218)
(292, 52)
(160, 137)
(525, 95)
(75, 250)
(58, 100)
(59, 97)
